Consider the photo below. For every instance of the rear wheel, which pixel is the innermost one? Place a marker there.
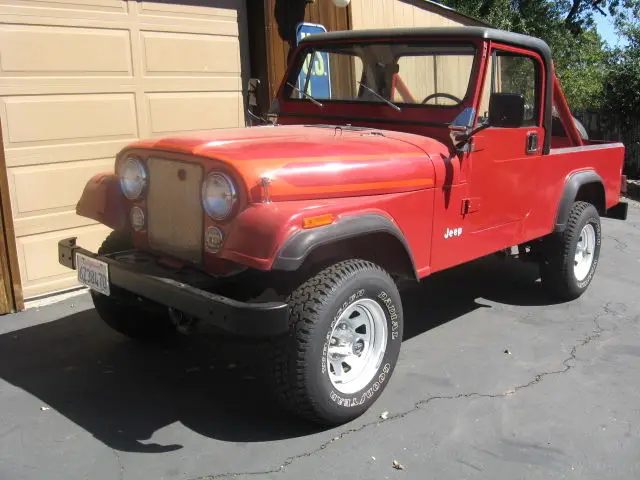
(343, 345)
(126, 313)
(571, 258)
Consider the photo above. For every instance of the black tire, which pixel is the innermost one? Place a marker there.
(299, 367)
(127, 314)
(557, 267)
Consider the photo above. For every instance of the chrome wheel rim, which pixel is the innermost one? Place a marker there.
(357, 345)
(585, 250)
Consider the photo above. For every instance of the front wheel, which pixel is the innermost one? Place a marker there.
(343, 345)
(571, 258)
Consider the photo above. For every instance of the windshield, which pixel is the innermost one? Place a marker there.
(401, 73)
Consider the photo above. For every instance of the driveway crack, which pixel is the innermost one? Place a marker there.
(567, 364)
(120, 465)
(620, 245)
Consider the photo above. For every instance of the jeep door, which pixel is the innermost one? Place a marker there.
(504, 160)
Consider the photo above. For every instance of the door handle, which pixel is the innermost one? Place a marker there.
(532, 143)
(470, 205)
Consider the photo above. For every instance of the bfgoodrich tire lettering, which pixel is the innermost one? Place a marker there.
(300, 367)
(558, 268)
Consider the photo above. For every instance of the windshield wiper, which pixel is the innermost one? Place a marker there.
(388, 102)
(306, 95)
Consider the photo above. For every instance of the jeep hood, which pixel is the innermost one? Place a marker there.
(303, 162)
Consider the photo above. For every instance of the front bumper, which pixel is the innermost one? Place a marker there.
(167, 287)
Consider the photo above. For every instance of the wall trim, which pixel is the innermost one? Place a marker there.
(9, 268)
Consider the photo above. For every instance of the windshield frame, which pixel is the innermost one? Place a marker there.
(309, 47)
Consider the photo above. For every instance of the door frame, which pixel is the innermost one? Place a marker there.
(272, 27)
(11, 297)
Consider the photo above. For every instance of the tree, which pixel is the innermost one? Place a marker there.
(575, 15)
(581, 62)
(622, 81)
(580, 12)
(568, 27)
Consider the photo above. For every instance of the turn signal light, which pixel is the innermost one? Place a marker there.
(319, 221)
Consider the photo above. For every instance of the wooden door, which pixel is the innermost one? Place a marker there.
(272, 25)
(10, 289)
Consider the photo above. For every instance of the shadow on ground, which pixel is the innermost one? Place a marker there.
(122, 392)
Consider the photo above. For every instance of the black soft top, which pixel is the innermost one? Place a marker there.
(515, 39)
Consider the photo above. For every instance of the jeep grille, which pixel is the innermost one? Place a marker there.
(174, 208)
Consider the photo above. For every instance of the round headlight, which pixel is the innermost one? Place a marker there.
(218, 196)
(133, 178)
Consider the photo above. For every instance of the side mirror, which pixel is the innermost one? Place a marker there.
(506, 110)
(460, 128)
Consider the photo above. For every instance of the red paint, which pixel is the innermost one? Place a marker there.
(450, 207)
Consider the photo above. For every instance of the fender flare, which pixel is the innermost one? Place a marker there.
(570, 192)
(298, 246)
(102, 201)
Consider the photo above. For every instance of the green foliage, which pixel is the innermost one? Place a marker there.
(581, 58)
(622, 81)
(580, 62)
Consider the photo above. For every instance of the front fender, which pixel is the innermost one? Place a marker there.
(299, 245)
(270, 236)
(102, 201)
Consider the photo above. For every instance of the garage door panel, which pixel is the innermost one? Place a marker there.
(17, 157)
(198, 9)
(68, 8)
(43, 188)
(38, 258)
(28, 50)
(69, 118)
(172, 113)
(65, 85)
(180, 54)
(167, 24)
(219, 83)
(196, 17)
(50, 222)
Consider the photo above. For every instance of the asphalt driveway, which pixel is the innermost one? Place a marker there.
(493, 382)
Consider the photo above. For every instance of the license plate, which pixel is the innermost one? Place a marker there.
(93, 273)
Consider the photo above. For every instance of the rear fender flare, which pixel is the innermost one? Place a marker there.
(570, 192)
(299, 246)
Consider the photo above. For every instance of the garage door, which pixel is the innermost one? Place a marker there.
(79, 79)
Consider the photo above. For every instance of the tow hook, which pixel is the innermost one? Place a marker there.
(184, 323)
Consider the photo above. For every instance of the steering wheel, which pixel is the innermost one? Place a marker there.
(441, 94)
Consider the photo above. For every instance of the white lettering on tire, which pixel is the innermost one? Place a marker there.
(393, 316)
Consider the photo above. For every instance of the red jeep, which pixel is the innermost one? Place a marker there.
(396, 154)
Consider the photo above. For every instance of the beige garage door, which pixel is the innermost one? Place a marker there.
(79, 79)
